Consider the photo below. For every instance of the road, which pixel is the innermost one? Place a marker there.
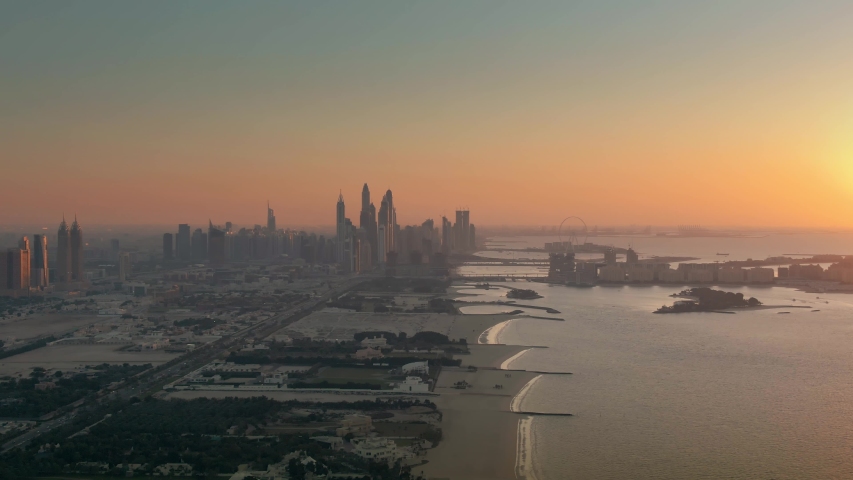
(152, 380)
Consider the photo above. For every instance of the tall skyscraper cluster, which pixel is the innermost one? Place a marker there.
(221, 245)
(380, 241)
(373, 241)
(26, 266)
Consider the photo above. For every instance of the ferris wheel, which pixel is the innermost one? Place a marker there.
(573, 230)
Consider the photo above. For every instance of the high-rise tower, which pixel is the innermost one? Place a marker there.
(63, 253)
(341, 231)
(367, 222)
(168, 244)
(183, 243)
(39, 277)
(216, 244)
(77, 259)
(270, 219)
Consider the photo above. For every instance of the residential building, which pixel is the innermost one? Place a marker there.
(375, 448)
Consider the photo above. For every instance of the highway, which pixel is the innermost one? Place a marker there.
(152, 380)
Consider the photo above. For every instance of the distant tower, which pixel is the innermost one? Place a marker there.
(365, 198)
(124, 266)
(63, 253)
(446, 236)
(270, 218)
(216, 244)
(77, 259)
(168, 243)
(367, 222)
(392, 221)
(183, 243)
(341, 232)
(40, 277)
(631, 257)
(198, 245)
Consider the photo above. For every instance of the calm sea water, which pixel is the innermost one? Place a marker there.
(756, 395)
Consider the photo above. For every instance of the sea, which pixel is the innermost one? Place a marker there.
(763, 394)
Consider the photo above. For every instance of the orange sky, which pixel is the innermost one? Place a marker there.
(669, 114)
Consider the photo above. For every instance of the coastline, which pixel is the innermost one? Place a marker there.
(480, 429)
(485, 435)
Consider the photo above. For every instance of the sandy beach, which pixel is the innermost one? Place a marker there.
(480, 431)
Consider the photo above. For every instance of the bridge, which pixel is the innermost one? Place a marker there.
(503, 278)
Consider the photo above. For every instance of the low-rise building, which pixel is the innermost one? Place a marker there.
(373, 448)
(416, 368)
(368, 353)
(276, 378)
(412, 384)
(378, 341)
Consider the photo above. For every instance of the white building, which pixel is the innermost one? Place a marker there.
(416, 368)
(276, 378)
(373, 448)
(412, 384)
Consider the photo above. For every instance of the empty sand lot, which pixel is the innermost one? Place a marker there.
(66, 357)
(47, 324)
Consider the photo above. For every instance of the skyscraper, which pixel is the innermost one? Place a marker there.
(199, 245)
(39, 272)
(63, 253)
(367, 222)
(17, 269)
(341, 230)
(77, 259)
(124, 266)
(167, 246)
(446, 236)
(270, 219)
(382, 231)
(392, 222)
(216, 244)
(183, 243)
(462, 232)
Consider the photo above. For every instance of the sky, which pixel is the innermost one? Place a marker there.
(620, 112)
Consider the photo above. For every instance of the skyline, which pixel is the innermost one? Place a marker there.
(525, 114)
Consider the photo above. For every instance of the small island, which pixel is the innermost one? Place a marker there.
(522, 294)
(703, 299)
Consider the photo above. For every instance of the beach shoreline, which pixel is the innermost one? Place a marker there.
(483, 436)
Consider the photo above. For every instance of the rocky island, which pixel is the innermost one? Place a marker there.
(703, 299)
(522, 294)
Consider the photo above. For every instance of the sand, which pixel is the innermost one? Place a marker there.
(67, 357)
(480, 431)
(46, 324)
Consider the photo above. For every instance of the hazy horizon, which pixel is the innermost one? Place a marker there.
(660, 113)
